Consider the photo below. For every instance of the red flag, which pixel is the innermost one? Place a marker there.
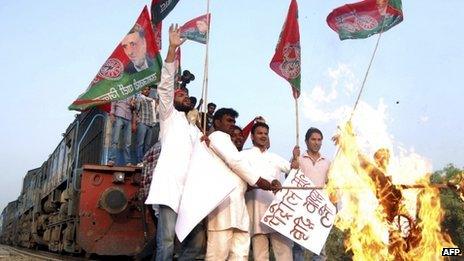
(365, 18)
(287, 58)
(178, 68)
(246, 131)
(134, 64)
(156, 22)
(196, 29)
(157, 31)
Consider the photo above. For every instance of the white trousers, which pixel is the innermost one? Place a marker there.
(230, 244)
(281, 246)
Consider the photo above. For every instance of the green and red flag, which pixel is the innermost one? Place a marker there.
(134, 63)
(287, 58)
(365, 18)
(196, 29)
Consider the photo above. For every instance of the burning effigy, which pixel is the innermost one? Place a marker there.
(387, 206)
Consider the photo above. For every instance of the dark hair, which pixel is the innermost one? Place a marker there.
(259, 124)
(224, 111)
(193, 100)
(237, 128)
(137, 29)
(311, 131)
(183, 88)
(212, 104)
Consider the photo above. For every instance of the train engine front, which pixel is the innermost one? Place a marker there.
(111, 219)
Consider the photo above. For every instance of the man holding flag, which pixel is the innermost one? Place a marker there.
(177, 138)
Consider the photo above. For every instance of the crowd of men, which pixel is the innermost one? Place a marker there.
(233, 227)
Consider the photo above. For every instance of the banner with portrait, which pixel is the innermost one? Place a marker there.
(134, 64)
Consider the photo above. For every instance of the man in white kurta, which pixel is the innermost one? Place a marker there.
(259, 200)
(228, 224)
(177, 137)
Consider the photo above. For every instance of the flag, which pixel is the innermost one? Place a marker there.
(178, 74)
(365, 18)
(287, 58)
(156, 22)
(134, 64)
(161, 8)
(196, 29)
(177, 61)
(247, 130)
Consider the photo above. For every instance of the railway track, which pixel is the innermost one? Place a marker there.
(19, 254)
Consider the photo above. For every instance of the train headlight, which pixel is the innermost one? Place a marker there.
(118, 177)
(113, 200)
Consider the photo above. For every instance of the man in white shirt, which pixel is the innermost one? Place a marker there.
(228, 223)
(259, 200)
(177, 137)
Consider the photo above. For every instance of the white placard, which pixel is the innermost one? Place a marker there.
(305, 216)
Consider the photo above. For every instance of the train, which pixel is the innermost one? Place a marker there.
(74, 203)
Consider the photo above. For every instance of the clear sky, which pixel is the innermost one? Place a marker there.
(51, 51)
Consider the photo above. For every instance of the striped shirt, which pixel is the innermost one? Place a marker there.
(146, 110)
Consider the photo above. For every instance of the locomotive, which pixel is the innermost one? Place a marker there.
(74, 203)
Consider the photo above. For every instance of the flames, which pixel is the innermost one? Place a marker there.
(384, 221)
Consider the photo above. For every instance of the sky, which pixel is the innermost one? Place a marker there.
(52, 50)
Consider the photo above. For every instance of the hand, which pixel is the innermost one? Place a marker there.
(336, 139)
(206, 139)
(250, 188)
(276, 186)
(174, 36)
(263, 184)
(296, 152)
(260, 119)
(295, 163)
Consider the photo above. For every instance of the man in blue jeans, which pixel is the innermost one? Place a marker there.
(121, 117)
(147, 123)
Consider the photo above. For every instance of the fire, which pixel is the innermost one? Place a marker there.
(384, 221)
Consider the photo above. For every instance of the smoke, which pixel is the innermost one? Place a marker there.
(331, 102)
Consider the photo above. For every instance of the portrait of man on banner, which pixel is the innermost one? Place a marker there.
(134, 45)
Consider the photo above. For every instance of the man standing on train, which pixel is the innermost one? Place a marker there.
(177, 137)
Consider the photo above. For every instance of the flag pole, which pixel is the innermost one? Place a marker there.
(297, 122)
(204, 91)
(367, 71)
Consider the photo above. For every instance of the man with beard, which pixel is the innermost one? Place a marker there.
(259, 200)
(177, 137)
(228, 223)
